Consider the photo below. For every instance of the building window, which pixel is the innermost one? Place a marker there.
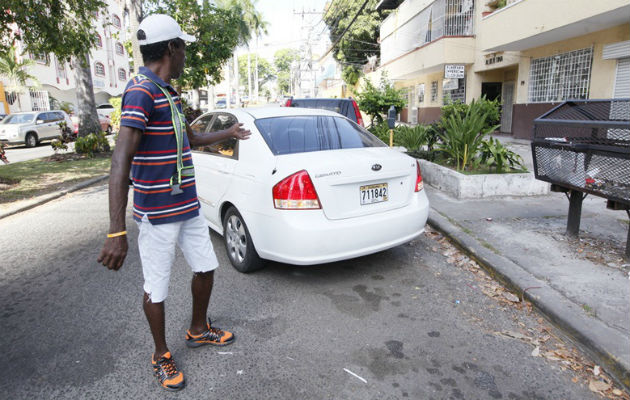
(99, 41)
(560, 77)
(434, 91)
(120, 49)
(122, 75)
(420, 93)
(116, 21)
(99, 69)
(41, 58)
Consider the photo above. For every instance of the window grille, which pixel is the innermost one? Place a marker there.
(122, 75)
(439, 19)
(41, 58)
(434, 91)
(99, 69)
(120, 49)
(459, 94)
(560, 77)
(116, 21)
(99, 41)
(420, 92)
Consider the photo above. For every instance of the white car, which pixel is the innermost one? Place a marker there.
(105, 109)
(308, 187)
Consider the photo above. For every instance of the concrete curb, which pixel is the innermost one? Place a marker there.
(52, 196)
(607, 346)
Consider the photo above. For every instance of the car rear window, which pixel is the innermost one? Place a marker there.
(341, 106)
(301, 134)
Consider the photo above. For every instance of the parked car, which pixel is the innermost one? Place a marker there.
(309, 186)
(32, 127)
(105, 121)
(105, 109)
(221, 103)
(346, 107)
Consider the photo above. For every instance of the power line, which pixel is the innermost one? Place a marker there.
(345, 30)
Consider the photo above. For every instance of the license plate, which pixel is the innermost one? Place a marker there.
(371, 194)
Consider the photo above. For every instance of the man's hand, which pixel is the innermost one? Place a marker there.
(238, 132)
(114, 252)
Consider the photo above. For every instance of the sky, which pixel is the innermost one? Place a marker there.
(288, 29)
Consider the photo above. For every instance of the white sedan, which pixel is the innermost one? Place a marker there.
(308, 187)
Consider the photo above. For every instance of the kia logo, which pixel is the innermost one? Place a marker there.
(376, 167)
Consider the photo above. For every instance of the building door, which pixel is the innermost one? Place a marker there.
(492, 90)
(507, 97)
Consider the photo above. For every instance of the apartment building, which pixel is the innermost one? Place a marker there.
(530, 54)
(109, 63)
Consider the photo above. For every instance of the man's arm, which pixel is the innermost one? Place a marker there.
(115, 249)
(203, 139)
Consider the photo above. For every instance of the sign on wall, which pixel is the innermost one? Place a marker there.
(454, 71)
(450, 84)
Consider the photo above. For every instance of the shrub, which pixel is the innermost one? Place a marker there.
(462, 136)
(494, 154)
(412, 137)
(115, 115)
(483, 105)
(375, 101)
(381, 131)
(91, 144)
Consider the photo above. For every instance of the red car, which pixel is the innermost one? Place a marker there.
(104, 120)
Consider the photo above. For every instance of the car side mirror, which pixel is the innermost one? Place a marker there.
(40, 121)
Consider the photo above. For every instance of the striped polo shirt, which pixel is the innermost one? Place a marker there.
(145, 107)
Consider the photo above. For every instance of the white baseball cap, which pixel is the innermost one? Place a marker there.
(160, 27)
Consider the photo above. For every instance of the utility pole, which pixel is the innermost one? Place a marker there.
(306, 56)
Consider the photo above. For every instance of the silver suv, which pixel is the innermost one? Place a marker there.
(32, 127)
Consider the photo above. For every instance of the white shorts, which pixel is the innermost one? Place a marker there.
(157, 252)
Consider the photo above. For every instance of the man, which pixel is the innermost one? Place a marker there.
(166, 207)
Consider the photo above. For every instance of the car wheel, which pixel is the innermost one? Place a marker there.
(109, 129)
(30, 140)
(238, 243)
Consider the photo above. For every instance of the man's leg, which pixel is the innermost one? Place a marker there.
(155, 315)
(201, 287)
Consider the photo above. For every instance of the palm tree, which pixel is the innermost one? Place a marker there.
(16, 72)
(252, 23)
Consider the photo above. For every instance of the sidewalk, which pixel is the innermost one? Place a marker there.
(581, 285)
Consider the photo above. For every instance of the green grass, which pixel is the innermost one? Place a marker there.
(589, 310)
(31, 178)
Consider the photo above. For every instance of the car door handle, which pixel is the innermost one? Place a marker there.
(221, 171)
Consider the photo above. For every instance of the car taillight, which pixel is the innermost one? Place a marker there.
(296, 192)
(357, 113)
(288, 103)
(419, 184)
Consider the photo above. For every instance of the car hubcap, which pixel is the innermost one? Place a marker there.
(31, 140)
(236, 239)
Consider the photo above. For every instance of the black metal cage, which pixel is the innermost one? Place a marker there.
(584, 145)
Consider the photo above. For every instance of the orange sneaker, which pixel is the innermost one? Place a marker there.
(167, 374)
(213, 336)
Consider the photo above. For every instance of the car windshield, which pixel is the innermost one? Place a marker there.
(288, 135)
(19, 118)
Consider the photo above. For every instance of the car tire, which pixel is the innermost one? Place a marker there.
(238, 243)
(109, 129)
(30, 140)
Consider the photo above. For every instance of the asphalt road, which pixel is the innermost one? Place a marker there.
(19, 153)
(405, 321)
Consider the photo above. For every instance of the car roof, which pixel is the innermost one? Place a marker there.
(269, 112)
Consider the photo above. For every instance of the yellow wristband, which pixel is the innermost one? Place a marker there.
(113, 235)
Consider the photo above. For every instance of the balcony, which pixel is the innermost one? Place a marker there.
(527, 24)
(415, 25)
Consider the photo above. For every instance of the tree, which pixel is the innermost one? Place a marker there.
(217, 33)
(375, 101)
(360, 41)
(16, 72)
(283, 60)
(266, 71)
(64, 28)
